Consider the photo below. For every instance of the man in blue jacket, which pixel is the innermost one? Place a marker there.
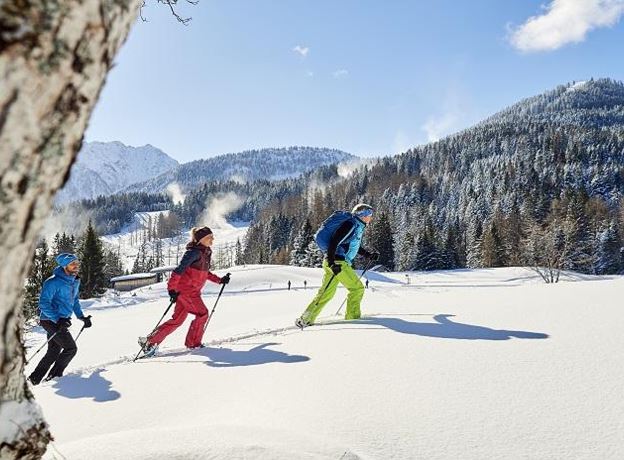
(58, 299)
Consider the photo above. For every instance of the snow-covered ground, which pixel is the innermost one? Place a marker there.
(465, 364)
(128, 242)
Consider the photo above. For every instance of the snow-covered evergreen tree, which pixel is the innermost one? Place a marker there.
(41, 269)
(93, 281)
(298, 254)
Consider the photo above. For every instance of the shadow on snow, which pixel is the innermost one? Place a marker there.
(94, 386)
(228, 357)
(445, 328)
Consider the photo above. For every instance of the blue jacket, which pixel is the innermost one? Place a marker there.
(59, 296)
(346, 242)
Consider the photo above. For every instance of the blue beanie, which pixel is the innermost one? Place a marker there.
(65, 258)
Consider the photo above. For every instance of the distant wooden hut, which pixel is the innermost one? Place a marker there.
(163, 272)
(136, 280)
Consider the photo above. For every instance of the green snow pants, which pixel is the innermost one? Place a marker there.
(349, 279)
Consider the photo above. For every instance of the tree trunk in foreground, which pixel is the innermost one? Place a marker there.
(54, 57)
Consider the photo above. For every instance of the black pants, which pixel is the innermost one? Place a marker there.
(61, 350)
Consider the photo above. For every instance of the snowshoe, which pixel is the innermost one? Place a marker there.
(301, 323)
(149, 350)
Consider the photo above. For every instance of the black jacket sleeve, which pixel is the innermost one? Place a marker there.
(190, 256)
(364, 252)
(337, 238)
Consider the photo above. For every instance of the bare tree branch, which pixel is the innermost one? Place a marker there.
(143, 18)
(173, 3)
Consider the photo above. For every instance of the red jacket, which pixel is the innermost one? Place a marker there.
(193, 271)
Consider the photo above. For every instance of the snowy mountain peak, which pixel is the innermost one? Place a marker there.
(104, 168)
(247, 166)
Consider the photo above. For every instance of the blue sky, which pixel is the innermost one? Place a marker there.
(368, 77)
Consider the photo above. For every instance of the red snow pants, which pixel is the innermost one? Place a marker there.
(187, 303)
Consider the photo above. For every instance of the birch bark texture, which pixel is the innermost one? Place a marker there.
(54, 58)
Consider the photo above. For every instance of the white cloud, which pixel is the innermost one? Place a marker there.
(69, 219)
(438, 126)
(175, 192)
(301, 50)
(217, 208)
(563, 22)
(310, 74)
(340, 73)
(401, 143)
(455, 113)
(347, 168)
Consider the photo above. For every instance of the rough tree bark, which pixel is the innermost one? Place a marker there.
(54, 57)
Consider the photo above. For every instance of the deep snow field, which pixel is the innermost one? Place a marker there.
(463, 364)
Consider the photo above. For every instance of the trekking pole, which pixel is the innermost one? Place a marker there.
(40, 348)
(80, 332)
(214, 307)
(157, 324)
(368, 265)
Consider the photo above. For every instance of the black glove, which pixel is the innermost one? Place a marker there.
(336, 268)
(86, 320)
(173, 295)
(225, 279)
(63, 323)
(373, 256)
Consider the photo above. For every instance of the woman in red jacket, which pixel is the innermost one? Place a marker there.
(185, 286)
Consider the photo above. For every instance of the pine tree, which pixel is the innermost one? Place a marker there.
(112, 264)
(405, 253)
(475, 244)
(608, 251)
(299, 252)
(313, 255)
(381, 238)
(41, 269)
(426, 254)
(141, 260)
(158, 254)
(239, 253)
(93, 281)
(63, 243)
(492, 249)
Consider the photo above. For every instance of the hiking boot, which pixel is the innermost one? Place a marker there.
(51, 377)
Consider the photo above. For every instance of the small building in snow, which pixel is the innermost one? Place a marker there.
(166, 270)
(379, 268)
(136, 280)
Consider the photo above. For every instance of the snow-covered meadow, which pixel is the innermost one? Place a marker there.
(467, 364)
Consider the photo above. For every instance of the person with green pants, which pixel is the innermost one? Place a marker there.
(340, 238)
